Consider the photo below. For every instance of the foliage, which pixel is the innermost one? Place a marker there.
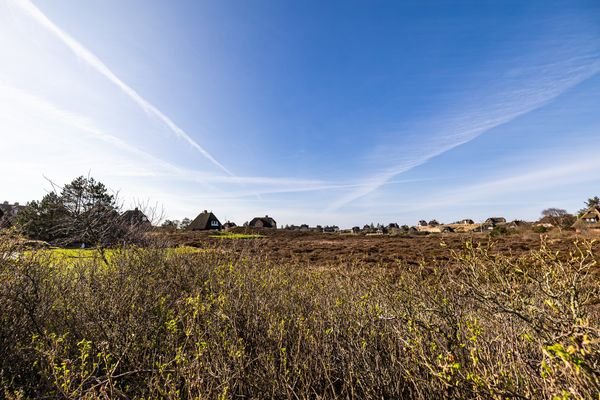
(154, 323)
(593, 202)
(500, 230)
(558, 217)
(170, 225)
(185, 223)
(84, 212)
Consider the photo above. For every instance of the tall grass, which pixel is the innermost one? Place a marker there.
(162, 324)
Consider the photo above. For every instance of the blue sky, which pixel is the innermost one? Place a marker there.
(338, 113)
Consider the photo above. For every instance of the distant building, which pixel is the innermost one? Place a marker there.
(205, 221)
(229, 225)
(467, 222)
(8, 213)
(356, 229)
(591, 215)
(493, 222)
(589, 220)
(136, 218)
(263, 222)
(517, 223)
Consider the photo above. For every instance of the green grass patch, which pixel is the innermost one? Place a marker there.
(230, 235)
(68, 257)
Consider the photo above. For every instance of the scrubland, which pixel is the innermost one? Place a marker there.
(235, 321)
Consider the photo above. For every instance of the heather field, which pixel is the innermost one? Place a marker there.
(303, 316)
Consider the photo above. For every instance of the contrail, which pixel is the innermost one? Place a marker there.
(97, 64)
(516, 102)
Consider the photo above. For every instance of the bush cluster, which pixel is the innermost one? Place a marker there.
(152, 323)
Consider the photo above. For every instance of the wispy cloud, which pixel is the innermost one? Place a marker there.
(532, 87)
(13, 98)
(578, 168)
(93, 61)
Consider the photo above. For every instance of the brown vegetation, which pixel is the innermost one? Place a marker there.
(238, 323)
(310, 248)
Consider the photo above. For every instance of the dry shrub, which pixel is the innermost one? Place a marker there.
(153, 323)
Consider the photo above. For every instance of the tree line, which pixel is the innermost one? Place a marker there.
(83, 212)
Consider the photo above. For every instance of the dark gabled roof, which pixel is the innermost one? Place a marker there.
(495, 220)
(518, 222)
(135, 218)
(267, 222)
(202, 221)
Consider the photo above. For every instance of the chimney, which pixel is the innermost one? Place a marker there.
(205, 212)
(266, 216)
(16, 203)
(136, 209)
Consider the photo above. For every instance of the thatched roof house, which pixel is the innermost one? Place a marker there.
(136, 218)
(591, 215)
(493, 222)
(590, 219)
(229, 225)
(263, 222)
(205, 221)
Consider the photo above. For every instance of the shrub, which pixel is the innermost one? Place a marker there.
(153, 323)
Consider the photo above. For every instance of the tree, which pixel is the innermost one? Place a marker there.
(83, 213)
(593, 202)
(558, 217)
(185, 223)
(169, 225)
(38, 220)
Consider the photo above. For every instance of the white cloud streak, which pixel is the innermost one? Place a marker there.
(12, 97)
(542, 85)
(579, 168)
(93, 61)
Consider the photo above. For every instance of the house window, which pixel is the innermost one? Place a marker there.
(214, 223)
